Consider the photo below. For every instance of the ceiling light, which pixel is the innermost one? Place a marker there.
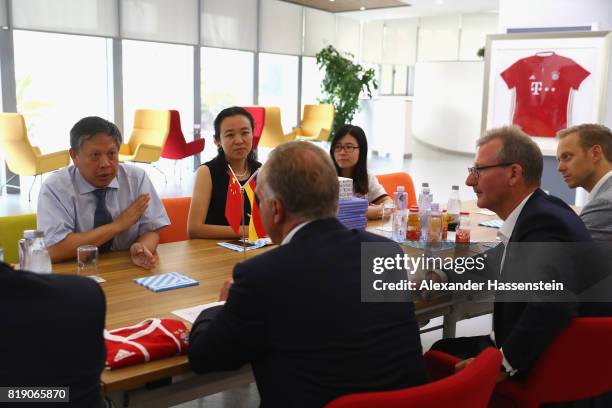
(362, 8)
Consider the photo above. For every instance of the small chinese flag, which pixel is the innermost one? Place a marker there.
(233, 205)
(256, 228)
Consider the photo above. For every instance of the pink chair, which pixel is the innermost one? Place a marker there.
(259, 116)
(176, 147)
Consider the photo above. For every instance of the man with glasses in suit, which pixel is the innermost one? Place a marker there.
(506, 179)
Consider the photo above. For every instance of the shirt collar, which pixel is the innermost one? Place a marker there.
(292, 233)
(598, 185)
(505, 232)
(84, 187)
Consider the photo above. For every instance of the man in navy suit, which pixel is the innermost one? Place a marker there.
(506, 179)
(295, 312)
(52, 334)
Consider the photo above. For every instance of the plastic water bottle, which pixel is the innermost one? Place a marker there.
(400, 215)
(38, 259)
(453, 208)
(425, 200)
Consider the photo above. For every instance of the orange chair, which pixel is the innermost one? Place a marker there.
(178, 210)
(469, 388)
(392, 180)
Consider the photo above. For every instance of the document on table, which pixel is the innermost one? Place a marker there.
(192, 313)
(484, 211)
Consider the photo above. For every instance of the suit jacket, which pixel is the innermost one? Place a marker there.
(524, 329)
(597, 214)
(52, 333)
(295, 313)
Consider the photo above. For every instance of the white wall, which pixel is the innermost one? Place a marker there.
(448, 104)
(555, 13)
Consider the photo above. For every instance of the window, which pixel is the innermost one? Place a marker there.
(395, 80)
(60, 79)
(278, 83)
(157, 76)
(227, 80)
(312, 79)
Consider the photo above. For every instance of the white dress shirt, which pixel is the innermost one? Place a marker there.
(504, 234)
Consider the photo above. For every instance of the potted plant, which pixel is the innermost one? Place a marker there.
(343, 82)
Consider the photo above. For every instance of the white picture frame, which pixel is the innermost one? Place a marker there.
(589, 51)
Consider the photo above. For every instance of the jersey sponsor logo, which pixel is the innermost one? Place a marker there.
(554, 75)
(536, 87)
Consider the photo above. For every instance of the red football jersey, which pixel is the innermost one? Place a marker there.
(543, 84)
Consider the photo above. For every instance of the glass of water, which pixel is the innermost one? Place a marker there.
(87, 258)
(387, 211)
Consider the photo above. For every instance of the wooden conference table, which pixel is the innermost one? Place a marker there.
(128, 303)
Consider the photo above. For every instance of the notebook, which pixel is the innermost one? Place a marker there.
(166, 281)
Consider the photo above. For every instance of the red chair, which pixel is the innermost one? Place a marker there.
(178, 211)
(176, 147)
(577, 365)
(392, 180)
(469, 388)
(259, 116)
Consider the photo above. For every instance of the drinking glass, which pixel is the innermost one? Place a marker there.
(387, 211)
(87, 258)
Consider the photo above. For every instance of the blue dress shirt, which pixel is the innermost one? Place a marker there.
(67, 204)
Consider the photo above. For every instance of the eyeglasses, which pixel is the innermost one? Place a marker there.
(475, 171)
(347, 148)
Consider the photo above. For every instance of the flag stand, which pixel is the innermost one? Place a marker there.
(242, 192)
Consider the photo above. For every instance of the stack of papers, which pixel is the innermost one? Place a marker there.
(352, 213)
(166, 281)
(492, 223)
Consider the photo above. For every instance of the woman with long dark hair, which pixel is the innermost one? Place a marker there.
(349, 152)
(234, 139)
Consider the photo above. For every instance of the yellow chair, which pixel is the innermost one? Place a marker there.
(148, 137)
(11, 231)
(316, 123)
(272, 134)
(21, 157)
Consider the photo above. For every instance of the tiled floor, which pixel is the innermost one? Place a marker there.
(439, 168)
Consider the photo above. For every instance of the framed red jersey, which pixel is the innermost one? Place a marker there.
(545, 82)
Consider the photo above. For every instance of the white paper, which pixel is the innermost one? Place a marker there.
(484, 211)
(192, 313)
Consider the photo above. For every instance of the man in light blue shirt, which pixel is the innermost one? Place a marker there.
(99, 201)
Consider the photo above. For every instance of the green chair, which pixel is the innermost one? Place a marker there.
(11, 231)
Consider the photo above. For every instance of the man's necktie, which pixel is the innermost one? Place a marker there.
(102, 216)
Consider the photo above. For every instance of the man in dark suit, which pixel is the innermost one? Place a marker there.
(506, 179)
(52, 334)
(295, 312)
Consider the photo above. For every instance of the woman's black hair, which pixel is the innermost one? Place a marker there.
(360, 171)
(224, 114)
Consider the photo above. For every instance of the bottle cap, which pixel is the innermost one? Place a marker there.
(455, 187)
(424, 184)
(400, 188)
(414, 208)
(464, 213)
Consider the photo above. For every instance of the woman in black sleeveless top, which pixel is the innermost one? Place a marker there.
(234, 139)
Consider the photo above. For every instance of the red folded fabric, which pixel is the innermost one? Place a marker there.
(148, 340)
